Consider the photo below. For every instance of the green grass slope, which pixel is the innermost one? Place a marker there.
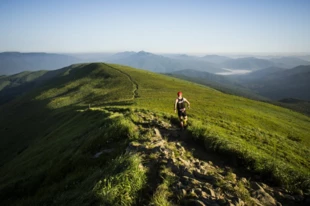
(49, 136)
(269, 138)
(18, 84)
(74, 87)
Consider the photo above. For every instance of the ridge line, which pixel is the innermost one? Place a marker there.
(135, 84)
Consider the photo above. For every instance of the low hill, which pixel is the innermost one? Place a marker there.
(304, 57)
(253, 63)
(259, 74)
(15, 62)
(105, 134)
(219, 82)
(291, 83)
(19, 84)
(289, 62)
(248, 63)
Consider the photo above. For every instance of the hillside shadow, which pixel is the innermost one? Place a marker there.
(27, 121)
(73, 132)
(50, 79)
(9, 92)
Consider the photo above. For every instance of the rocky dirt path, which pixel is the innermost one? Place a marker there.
(199, 178)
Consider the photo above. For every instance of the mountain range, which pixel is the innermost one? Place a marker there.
(272, 83)
(215, 59)
(208, 63)
(14, 62)
(219, 82)
(161, 64)
(269, 79)
(277, 84)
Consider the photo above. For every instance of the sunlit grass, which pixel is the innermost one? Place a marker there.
(50, 135)
(123, 178)
(162, 192)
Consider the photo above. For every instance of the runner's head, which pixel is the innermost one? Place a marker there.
(179, 94)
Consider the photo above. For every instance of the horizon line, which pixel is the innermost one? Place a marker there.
(179, 53)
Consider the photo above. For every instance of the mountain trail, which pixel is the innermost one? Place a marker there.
(194, 176)
(134, 83)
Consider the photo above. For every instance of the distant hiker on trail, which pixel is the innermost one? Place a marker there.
(180, 106)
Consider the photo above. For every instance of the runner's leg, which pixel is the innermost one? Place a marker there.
(181, 121)
(185, 120)
(180, 118)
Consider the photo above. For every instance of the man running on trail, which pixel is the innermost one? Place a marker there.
(180, 106)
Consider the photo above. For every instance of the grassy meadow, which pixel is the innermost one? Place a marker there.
(49, 136)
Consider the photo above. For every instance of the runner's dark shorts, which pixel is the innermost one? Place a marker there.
(182, 114)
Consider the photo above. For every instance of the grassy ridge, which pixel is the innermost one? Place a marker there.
(62, 164)
(157, 92)
(275, 140)
(48, 139)
(52, 150)
(88, 86)
(73, 88)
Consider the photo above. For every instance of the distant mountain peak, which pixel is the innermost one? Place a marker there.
(216, 59)
(249, 58)
(184, 55)
(144, 53)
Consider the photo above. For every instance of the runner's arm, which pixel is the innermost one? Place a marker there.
(187, 102)
(175, 105)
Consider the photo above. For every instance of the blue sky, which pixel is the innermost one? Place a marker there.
(161, 26)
